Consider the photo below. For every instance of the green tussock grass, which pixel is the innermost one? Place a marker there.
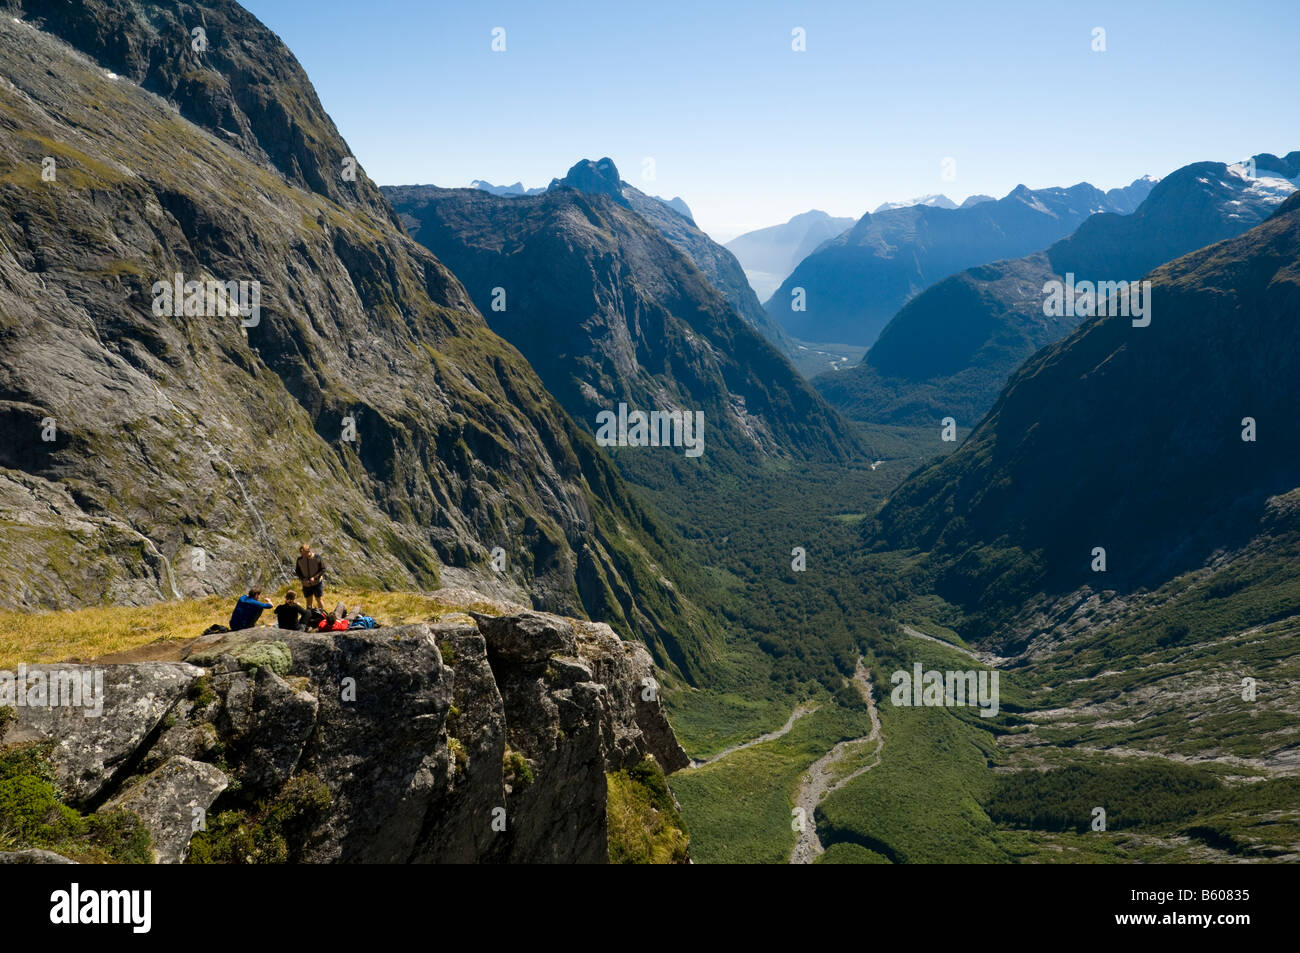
(645, 826)
(85, 634)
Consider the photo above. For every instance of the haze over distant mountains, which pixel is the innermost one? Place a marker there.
(516, 189)
(769, 254)
(853, 284)
(950, 349)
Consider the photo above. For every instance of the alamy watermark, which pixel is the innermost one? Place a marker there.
(133, 908)
(658, 428)
(179, 298)
(946, 689)
(54, 688)
(1106, 298)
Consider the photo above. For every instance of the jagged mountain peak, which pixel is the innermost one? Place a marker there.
(598, 177)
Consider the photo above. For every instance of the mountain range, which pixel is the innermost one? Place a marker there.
(677, 204)
(219, 337)
(1167, 445)
(933, 200)
(516, 189)
(949, 351)
(853, 284)
(608, 310)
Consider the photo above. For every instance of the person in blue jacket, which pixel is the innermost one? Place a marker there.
(247, 610)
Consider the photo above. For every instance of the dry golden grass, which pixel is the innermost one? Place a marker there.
(85, 634)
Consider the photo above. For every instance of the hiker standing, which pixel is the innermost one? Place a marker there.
(310, 569)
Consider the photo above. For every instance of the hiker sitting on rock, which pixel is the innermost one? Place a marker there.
(247, 610)
(289, 615)
(310, 568)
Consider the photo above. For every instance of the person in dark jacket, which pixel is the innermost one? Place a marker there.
(247, 610)
(310, 568)
(289, 615)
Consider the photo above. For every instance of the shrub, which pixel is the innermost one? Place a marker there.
(516, 771)
(33, 815)
(271, 833)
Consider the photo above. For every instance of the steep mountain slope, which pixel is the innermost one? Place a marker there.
(769, 254)
(364, 404)
(719, 266)
(600, 177)
(951, 348)
(857, 281)
(608, 311)
(1127, 438)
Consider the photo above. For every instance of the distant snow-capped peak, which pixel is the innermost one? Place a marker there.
(934, 200)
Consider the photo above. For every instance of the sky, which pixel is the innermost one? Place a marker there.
(710, 101)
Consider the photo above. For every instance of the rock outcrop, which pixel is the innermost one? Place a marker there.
(475, 738)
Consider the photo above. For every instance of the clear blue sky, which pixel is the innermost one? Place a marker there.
(750, 132)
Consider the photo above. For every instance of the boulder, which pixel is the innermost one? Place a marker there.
(526, 638)
(170, 802)
(89, 749)
(284, 721)
(33, 857)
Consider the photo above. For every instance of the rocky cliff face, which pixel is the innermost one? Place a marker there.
(154, 452)
(483, 736)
